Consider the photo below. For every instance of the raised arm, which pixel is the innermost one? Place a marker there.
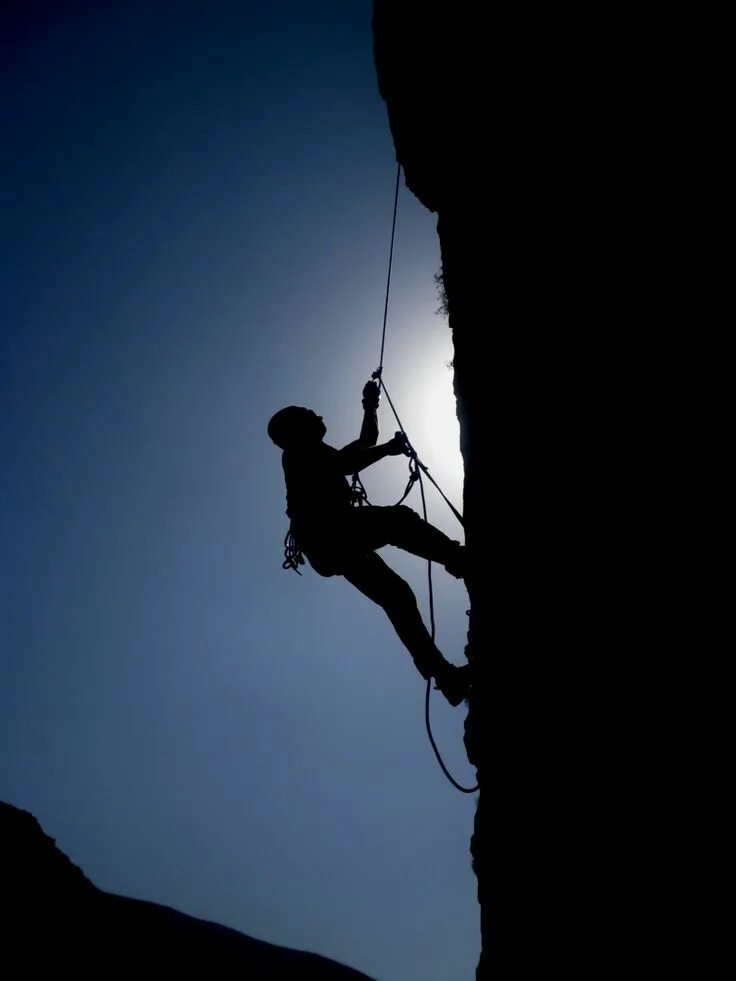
(363, 451)
(369, 429)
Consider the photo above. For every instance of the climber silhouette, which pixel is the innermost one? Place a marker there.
(341, 540)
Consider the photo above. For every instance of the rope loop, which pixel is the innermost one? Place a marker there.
(414, 476)
(293, 557)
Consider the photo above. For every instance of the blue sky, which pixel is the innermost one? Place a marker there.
(196, 203)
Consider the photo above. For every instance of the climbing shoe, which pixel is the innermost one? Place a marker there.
(456, 564)
(454, 683)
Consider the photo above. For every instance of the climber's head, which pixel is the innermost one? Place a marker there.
(294, 426)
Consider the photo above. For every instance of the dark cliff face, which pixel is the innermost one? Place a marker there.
(491, 115)
(54, 918)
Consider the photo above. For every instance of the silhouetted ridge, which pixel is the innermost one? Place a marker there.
(57, 919)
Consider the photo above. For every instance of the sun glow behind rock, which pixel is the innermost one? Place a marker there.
(421, 390)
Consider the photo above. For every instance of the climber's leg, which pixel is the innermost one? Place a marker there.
(374, 527)
(376, 580)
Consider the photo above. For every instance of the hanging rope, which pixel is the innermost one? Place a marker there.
(453, 781)
(418, 463)
(388, 280)
(416, 468)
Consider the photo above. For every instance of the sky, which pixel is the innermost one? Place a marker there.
(196, 206)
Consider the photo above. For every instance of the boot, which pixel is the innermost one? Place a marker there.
(453, 682)
(456, 562)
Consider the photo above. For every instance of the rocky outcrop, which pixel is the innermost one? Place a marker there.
(55, 919)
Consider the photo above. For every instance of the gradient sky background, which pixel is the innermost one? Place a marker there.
(196, 205)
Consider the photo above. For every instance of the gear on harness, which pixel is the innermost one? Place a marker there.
(293, 557)
(359, 493)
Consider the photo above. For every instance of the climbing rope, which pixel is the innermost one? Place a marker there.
(359, 494)
(293, 557)
(453, 781)
(416, 469)
(416, 465)
(388, 280)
